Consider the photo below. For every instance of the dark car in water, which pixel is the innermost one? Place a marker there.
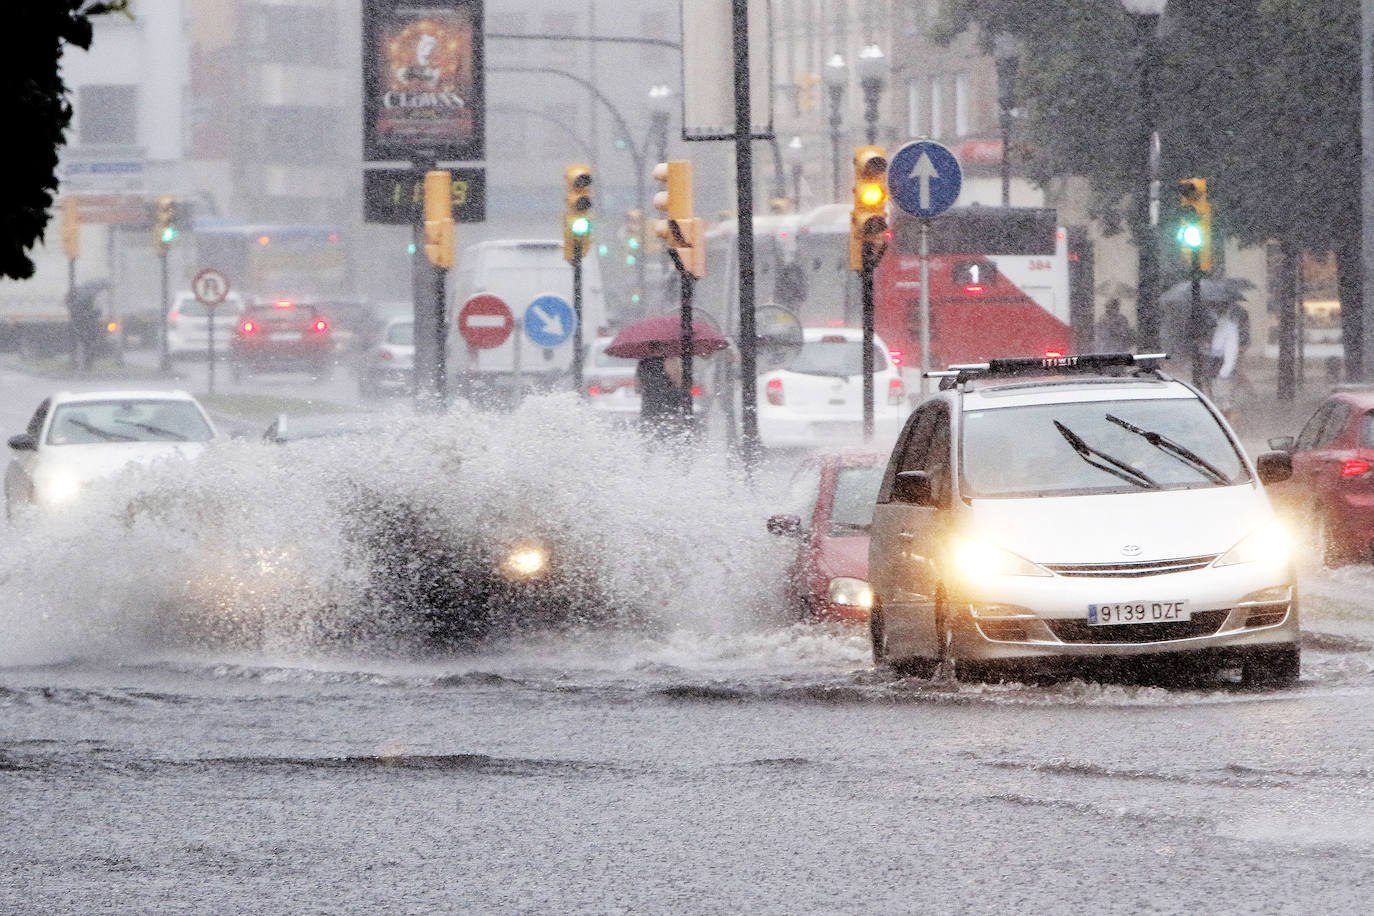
(283, 335)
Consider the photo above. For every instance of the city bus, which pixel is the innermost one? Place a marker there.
(999, 281)
(268, 263)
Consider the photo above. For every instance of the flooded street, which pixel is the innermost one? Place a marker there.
(246, 724)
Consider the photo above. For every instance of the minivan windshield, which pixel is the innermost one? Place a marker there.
(1096, 447)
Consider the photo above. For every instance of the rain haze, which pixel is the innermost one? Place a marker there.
(384, 543)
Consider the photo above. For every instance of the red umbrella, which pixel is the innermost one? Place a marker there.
(661, 335)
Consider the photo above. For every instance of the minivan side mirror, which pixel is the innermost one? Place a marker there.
(1274, 466)
(1282, 443)
(912, 487)
(24, 443)
(785, 526)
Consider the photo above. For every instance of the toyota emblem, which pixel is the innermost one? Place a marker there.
(1131, 550)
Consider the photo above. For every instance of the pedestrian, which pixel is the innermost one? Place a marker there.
(86, 327)
(1224, 348)
(661, 397)
(1243, 386)
(1114, 333)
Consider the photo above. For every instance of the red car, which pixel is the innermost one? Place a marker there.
(282, 335)
(1331, 492)
(833, 493)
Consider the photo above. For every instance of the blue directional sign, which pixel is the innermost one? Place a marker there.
(549, 321)
(924, 178)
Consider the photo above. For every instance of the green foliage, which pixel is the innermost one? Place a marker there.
(36, 111)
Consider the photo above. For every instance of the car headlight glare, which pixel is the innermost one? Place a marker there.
(525, 560)
(1269, 543)
(976, 559)
(847, 591)
(59, 488)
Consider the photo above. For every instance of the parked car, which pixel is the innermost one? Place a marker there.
(817, 400)
(1330, 497)
(189, 320)
(74, 440)
(610, 381)
(387, 362)
(1043, 513)
(282, 335)
(833, 493)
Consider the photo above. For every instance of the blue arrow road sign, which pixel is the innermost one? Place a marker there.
(924, 178)
(549, 321)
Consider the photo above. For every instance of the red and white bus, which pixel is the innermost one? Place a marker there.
(999, 280)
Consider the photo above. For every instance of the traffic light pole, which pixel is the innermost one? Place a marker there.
(577, 357)
(866, 282)
(1200, 348)
(164, 362)
(686, 341)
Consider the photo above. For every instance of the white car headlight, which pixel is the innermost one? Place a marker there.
(976, 559)
(58, 488)
(1269, 543)
(525, 560)
(849, 592)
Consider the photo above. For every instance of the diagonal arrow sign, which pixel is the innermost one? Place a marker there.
(552, 324)
(923, 171)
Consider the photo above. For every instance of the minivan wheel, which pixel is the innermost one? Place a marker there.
(1277, 667)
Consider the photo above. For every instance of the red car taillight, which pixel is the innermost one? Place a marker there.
(1354, 467)
(775, 392)
(895, 390)
(247, 327)
(320, 326)
(384, 354)
(172, 318)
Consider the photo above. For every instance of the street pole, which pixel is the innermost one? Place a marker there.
(866, 283)
(577, 367)
(1201, 378)
(1147, 263)
(925, 303)
(687, 344)
(744, 204)
(164, 363)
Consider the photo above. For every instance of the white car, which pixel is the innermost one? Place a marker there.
(1071, 511)
(188, 325)
(817, 400)
(610, 382)
(388, 361)
(74, 440)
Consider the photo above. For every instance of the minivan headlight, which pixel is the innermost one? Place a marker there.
(975, 559)
(847, 591)
(1269, 543)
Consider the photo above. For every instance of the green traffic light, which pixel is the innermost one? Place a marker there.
(601, 250)
(581, 226)
(169, 234)
(630, 260)
(634, 297)
(410, 249)
(633, 243)
(1190, 236)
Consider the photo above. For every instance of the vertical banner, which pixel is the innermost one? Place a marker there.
(423, 87)
(708, 70)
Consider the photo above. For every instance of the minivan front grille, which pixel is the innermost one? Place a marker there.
(1130, 570)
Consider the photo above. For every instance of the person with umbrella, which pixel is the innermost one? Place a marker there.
(663, 402)
(656, 342)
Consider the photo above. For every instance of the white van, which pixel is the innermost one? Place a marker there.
(518, 272)
(1044, 513)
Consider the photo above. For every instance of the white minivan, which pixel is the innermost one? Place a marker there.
(1042, 513)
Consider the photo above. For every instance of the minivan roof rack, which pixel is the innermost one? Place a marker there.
(1084, 364)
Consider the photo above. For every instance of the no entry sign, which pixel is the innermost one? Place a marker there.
(485, 321)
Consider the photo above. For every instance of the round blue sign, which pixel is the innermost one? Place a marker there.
(924, 178)
(549, 321)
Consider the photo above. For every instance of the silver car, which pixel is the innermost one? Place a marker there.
(388, 362)
(1042, 512)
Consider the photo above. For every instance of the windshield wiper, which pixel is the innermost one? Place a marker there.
(1104, 462)
(1173, 449)
(155, 430)
(105, 434)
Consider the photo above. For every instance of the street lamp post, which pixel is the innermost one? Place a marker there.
(794, 158)
(836, 76)
(1145, 16)
(873, 79)
(1006, 51)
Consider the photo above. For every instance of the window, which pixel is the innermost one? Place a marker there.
(961, 103)
(107, 114)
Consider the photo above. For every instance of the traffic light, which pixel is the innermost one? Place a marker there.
(577, 211)
(439, 218)
(71, 227)
(166, 224)
(682, 233)
(868, 220)
(1195, 224)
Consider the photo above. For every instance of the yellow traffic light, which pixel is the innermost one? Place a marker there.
(71, 227)
(682, 233)
(577, 211)
(439, 218)
(868, 220)
(1195, 224)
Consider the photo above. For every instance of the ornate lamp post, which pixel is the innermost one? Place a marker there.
(836, 77)
(1006, 51)
(873, 78)
(1145, 17)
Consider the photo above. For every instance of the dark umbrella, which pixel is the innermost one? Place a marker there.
(660, 335)
(1212, 292)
